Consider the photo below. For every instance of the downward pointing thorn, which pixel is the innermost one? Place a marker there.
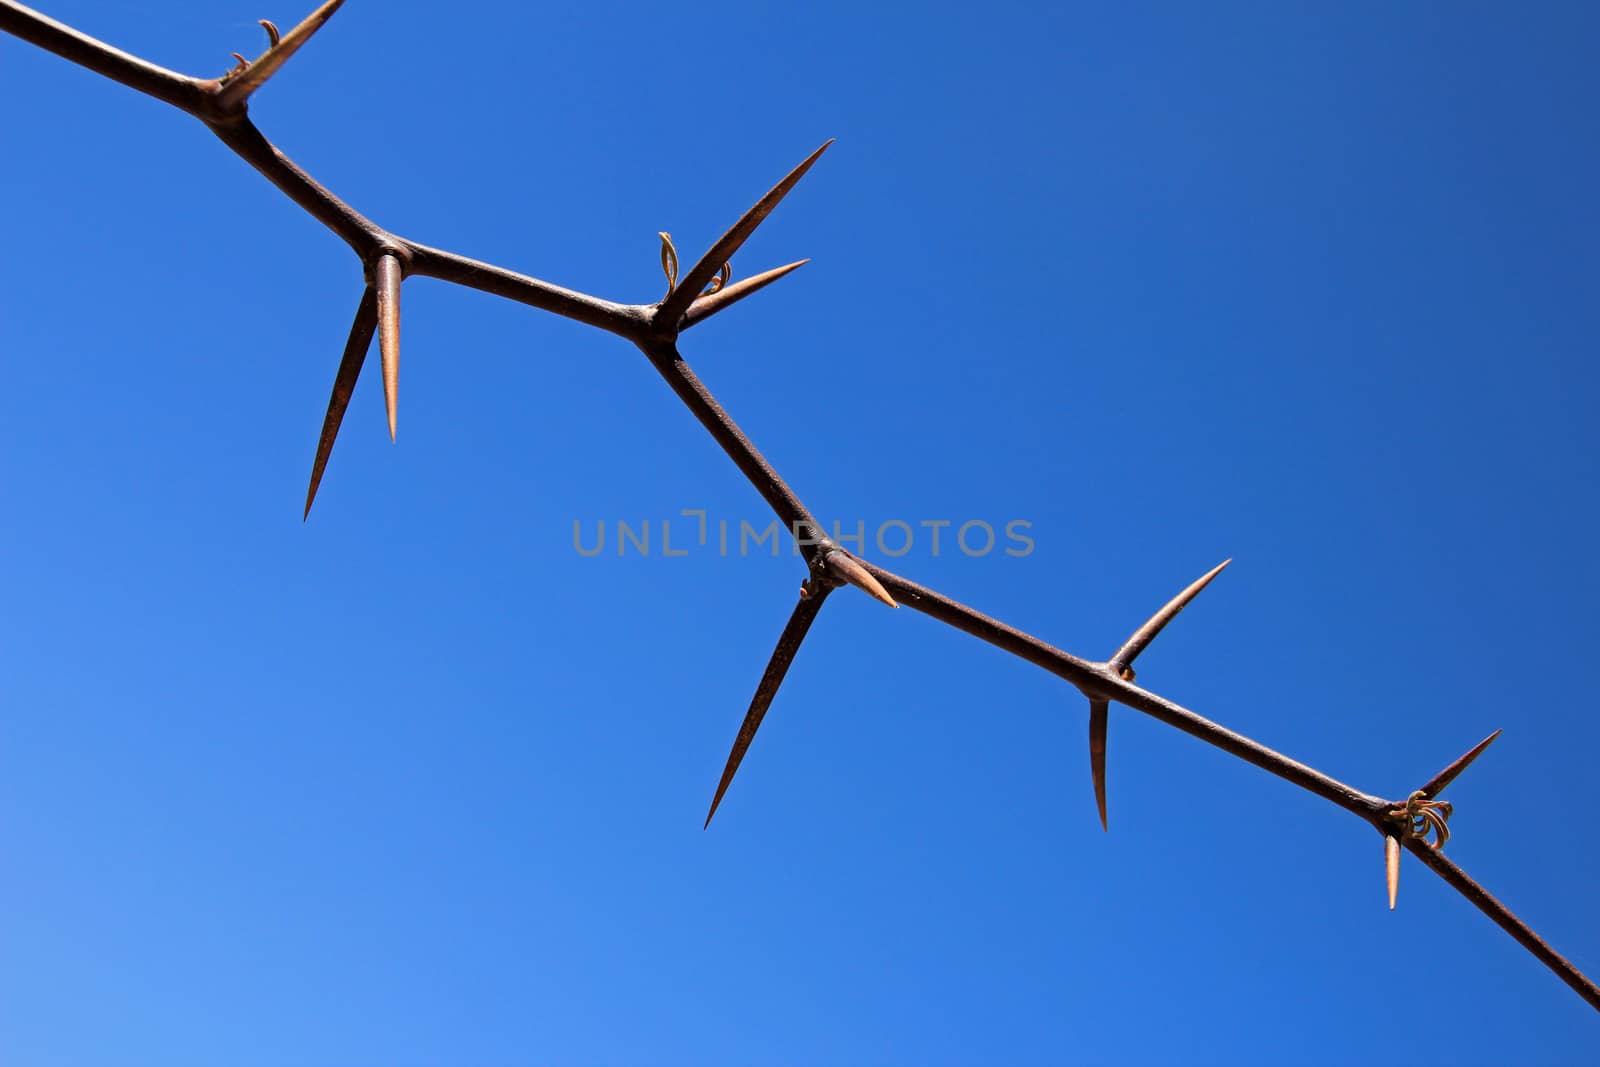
(1391, 865)
(1099, 720)
(387, 283)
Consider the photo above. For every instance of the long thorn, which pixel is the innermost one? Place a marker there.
(1145, 634)
(1437, 783)
(238, 88)
(386, 278)
(344, 383)
(677, 302)
(707, 306)
(794, 632)
(844, 567)
(1391, 866)
(1099, 721)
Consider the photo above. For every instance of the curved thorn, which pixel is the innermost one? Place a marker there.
(1099, 721)
(273, 36)
(677, 302)
(238, 89)
(706, 306)
(1437, 783)
(386, 279)
(844, 567)
(794, 632)
(1391, 866)
(1145, 634)
(344, 383)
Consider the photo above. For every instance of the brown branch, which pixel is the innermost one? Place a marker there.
(222, 105)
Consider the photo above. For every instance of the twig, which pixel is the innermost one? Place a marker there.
(222, 104)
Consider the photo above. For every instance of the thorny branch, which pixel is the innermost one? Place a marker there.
(387, 258)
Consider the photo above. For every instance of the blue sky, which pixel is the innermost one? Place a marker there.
(1304, 285)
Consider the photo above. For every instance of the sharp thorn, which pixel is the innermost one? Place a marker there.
(1437, 783)
(677, 302)
(848, 569)
(1145, 634)
(344, 383)
(273, 36)
(1391, 866)
(386, 279)
(794, 632)
(706, 306)
(1099, 721)
(238, 89)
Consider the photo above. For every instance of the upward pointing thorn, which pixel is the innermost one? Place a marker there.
(386, 279)
(237, 89)
(1437, 783)
(1145, 634)
(672, 307)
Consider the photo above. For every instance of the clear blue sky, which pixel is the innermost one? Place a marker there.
(1311, 286)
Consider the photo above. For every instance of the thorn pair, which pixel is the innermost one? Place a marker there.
(706, 289)
(1422, 813)
(1121, 663)
(379, 311)
(248, 76)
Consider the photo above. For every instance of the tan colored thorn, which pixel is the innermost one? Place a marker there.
(1391, 866)
(846, 568)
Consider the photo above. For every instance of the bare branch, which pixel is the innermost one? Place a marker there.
(181, 91)
(1481, 899)
(220, 104)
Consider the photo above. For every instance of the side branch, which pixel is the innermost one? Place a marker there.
(169, 86)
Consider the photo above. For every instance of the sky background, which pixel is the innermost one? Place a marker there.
(1310, 286)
